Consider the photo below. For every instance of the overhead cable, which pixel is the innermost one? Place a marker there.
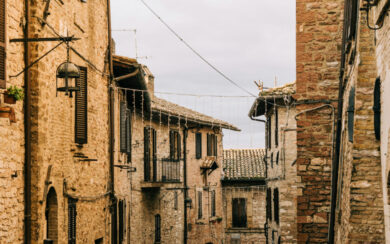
(195, 52)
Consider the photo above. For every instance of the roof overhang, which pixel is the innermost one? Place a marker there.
(209, 164)
(265, 103)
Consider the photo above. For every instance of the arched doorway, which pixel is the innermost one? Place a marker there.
(51, 213)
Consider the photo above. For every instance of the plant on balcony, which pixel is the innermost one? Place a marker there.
(13, 94)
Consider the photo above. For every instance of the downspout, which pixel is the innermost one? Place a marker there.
(27, 132)
(336, 155)
(185, 134)
(112, 128)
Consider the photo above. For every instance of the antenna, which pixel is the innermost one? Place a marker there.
(135, 41)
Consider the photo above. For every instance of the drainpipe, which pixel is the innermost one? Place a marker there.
(185, 134)
(27, 132)
(112, 128)
(336, 156)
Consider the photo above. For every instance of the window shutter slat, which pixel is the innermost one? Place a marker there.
(81, 107)
(128, 134)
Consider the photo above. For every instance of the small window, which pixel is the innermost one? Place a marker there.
(175, 147)
(213, 203)
(200, 206)
(276, 127)
(198, 149)
(351, 113)
(277, 158)
(212, 145)
(269, 204)
(81, 108)
(176, 201)
(276, 205)
(239, 212)
(72, 213)
(157, 230)
(269, 132)
(377, 108)
(272, 160)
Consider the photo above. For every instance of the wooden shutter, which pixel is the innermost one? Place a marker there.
(269, 136)
(377, 108)
(212, 203)
(269, 204)
(176, 201)
(209, 145)
(146, 154)
(154, 147)
(239, 212)
(235, 212)
(276, 205)
(200, 206)
(157, 231)
(351, 113)
(171, 144)
(128, 134)
(2, 45)
(272, 160)
(277, 158)
(178, 146)
(120, 203)
(122, 125)
(242, 212)
(215, 145)
(81, 108)
(72, 213)
(198, 149)
(276, 127)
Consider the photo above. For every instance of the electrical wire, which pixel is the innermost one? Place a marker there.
(194, 51)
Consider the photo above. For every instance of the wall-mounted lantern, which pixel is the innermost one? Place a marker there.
(67, 73)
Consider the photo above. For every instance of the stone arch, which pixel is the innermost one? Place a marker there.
(51, 213)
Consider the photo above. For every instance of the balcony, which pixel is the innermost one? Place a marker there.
(161, 171)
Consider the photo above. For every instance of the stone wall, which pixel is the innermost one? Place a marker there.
(319, 28)
(53, 123)
(360, 202)
(12, 135)
(282, 175)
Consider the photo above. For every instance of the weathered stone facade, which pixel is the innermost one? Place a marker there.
(318, 36)
(243, 195)
(12, 134)
(278, 106)
(162, 191)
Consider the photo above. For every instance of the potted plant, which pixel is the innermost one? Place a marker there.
(13, 94)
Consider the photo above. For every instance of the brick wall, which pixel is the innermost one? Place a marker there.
(319, 28)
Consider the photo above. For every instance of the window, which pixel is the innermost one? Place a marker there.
(125, 129)
(388, 188)
(269, 204)
(276, 127)
(200, 206)
(239, 212)
(276, 205)
(81, 107)
(351, 113)
(198, 146)
(157, 228)
(176, 201)
(52, 215)
(212, 145)
(269, 132)
(174, 145)
(213, 203)
(122, 220)
(277, 158)
(150, 154)
(72, 213)
(2, 45)
(272, 160)
(377, 108)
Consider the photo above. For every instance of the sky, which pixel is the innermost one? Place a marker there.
(247, 40)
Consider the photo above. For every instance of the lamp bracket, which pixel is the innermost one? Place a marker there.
(46, 39)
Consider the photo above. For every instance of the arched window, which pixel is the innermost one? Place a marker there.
(51, 213)
(157, 231)
(388, 188)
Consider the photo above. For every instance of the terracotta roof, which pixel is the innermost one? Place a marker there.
(185, 113)
(287, 89)
(244, 164)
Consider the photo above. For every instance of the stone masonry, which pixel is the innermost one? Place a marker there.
(318, 37)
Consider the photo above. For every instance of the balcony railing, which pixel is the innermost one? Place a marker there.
(162, 170)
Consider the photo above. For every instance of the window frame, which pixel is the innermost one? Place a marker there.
(239, 213)
(174, 145)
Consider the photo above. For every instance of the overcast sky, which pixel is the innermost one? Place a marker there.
(246, 39)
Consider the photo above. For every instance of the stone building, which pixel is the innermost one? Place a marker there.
(360, 207)
(169, 164)
(55, 144)
(278, 107)
(243, 195)
(318, 39)
(11, 125)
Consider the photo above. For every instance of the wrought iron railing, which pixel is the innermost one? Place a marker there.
(163, 170)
